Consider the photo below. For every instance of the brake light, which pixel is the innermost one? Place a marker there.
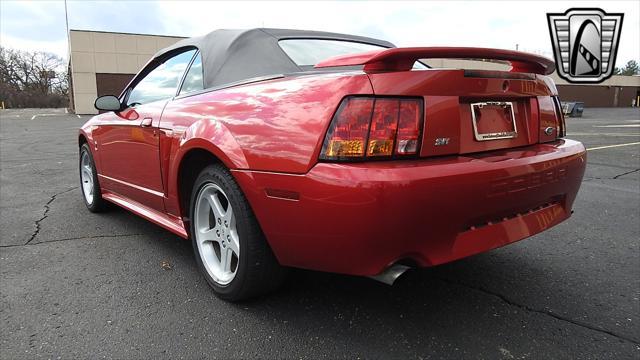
(349, 127)
(374, 127)
(384, 123)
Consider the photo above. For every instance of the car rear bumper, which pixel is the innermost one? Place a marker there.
(359, 218)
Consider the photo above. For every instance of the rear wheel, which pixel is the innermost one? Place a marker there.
(230, 249)
(89, 185)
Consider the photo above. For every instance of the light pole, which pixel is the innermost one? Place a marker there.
(66, 20)
(70, 105)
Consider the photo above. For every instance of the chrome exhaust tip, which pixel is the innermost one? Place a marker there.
(390, 274)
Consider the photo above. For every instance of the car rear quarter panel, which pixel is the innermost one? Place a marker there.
(275, 125)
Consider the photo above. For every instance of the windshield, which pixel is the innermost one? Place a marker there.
(308, 52)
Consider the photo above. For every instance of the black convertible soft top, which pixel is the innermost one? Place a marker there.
(230, 56)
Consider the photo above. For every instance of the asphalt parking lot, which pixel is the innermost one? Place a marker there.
(81, 285)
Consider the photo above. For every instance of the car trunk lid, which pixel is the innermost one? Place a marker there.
(473, 114)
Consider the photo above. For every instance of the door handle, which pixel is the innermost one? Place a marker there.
(146, 122)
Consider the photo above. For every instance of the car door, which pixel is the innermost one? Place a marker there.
(128, 141)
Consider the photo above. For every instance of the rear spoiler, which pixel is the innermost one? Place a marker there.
(402, 59)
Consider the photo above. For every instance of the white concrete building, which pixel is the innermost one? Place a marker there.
(102, 63)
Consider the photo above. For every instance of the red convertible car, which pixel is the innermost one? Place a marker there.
(273, 148)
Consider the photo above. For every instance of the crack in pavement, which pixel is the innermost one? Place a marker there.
(68, 239)
(544, 312)
(46, 213)
(627, 173)
(587, 178)
(609, 165)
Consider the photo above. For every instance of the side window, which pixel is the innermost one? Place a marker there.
(162, 82)
(193, 81)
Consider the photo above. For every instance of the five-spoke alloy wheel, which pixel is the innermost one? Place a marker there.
(216, 233)
(230, 248)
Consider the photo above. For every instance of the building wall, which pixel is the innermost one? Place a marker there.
(617, 91)
(101, 62)
(599, 96)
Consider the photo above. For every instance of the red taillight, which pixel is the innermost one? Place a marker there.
(374, 127)
(384, 123)
(348, 133)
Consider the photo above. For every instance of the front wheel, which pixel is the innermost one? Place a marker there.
(229, 245)
(89, 185)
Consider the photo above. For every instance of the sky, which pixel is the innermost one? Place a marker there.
(40, 25)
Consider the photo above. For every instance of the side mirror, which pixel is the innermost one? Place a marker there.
(108, 103)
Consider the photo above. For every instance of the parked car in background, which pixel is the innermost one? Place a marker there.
(272, 148)
(572, 108)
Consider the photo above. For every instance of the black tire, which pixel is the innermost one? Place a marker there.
(97, 204)
(258, 271)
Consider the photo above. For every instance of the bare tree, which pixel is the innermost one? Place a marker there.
(630, 69)
(32, 79)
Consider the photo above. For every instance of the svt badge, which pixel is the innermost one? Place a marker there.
(585, 42)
